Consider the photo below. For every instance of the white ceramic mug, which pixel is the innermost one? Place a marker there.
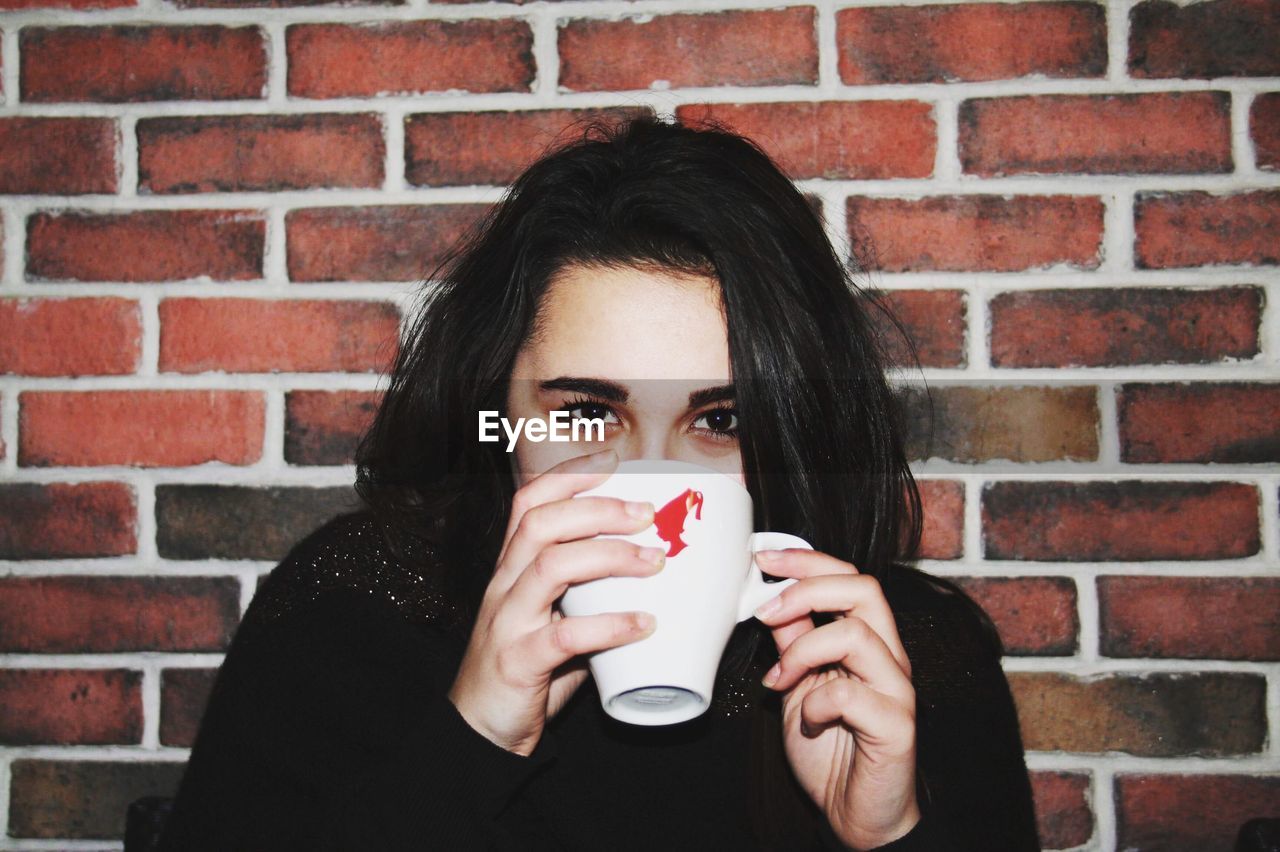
(711, 581)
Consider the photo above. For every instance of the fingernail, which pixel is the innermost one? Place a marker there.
(645, 622)
(640, 511)
(769, 607)
(774, 673)
(768, 555)
(656, 555)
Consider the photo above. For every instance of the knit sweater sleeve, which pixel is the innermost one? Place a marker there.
(972, 784)
(330, 729)
(926, 836)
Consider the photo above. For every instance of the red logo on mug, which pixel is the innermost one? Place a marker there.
(670, 519)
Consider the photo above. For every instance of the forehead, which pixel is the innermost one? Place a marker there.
(629, 324)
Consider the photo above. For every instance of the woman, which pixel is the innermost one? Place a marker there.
(404, 680)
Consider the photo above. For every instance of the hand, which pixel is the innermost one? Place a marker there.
(848, 706)
(519, 668)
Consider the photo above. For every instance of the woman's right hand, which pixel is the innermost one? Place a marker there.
(507, 685)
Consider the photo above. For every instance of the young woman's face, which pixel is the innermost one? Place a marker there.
(647, 352)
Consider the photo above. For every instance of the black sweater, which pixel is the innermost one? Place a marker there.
(329, 728)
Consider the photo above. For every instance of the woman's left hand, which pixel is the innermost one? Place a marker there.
(848, 706)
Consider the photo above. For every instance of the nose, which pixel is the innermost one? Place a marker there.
(651, 444)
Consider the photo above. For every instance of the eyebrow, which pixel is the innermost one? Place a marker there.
(614, 392)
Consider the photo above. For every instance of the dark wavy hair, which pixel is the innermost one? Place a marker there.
(820, 430)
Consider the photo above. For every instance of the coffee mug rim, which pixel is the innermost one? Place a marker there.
(662, 466)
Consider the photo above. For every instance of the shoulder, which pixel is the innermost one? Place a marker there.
(334, 649)
(931, 605)
(355, 555)
(952, 644)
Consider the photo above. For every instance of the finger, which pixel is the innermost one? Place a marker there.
(850, 643)
(786, 633)
(559, 482)
(873, 715)
(554, 644)
(567, 520)
(858, 594)
(786, 563)
(558, 566)
(799, 562)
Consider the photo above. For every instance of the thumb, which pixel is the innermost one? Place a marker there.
(565, 681)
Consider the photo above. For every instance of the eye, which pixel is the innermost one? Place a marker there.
(590, 409)
(722, 423)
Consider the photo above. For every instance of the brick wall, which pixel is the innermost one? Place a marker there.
(214, 210)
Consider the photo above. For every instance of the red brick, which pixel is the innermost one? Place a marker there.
(142, 63)
(139, 428)
(202, 335)
(1035, 615)
(1180, 133)
(1063, 816)
(184, 694)
(978, 233)
(773, 47)
(410, 57)
(282, 4)
(243, 521)
(834, 139)
(70, 706)
(164, 245)
(245, 153)
(69, 337)
(323, 427)
(1220, 38)
(1220, 618)
(18, 5)
(934, 322)
(1126, 520)
(394, 243)
(1264, 128)
(57, 156)
(1105, 327)
(969, 423)
(464, 148)
(1190, 813)
(1157, 715)
(943, 504)
(109, 615)
(63, 520)
(973, 41)
(1199, 229)
(83, 798)
(1199, 422)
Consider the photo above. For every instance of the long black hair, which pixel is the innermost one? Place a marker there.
(820, 430)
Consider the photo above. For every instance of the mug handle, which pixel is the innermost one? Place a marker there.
(757, 591)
